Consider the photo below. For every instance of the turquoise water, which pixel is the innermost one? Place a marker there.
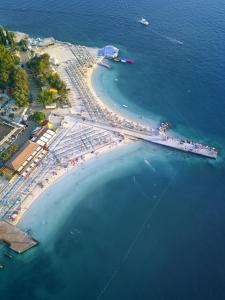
(145, 222)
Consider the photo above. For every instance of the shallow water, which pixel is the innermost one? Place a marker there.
(149, 223)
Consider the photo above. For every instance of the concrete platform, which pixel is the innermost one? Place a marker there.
(16, 239)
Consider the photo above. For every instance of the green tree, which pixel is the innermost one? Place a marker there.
(55, 81)
(39, 117)
(46, 97)
(23, 44)
(21, 87)
(3, 39)
(7, 63)
(7, 38)
(39, 64)
(9, 152)
(10, 38)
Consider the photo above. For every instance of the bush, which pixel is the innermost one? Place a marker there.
(39, 64)
(39, 117)
(56, 82)
(13, 76)
(46, 97)
(7, 63)
(21, 87)
(23, 44)
(9, 152)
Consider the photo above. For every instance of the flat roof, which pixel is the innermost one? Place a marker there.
(20, 157)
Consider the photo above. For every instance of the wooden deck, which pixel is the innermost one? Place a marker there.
(16, 239)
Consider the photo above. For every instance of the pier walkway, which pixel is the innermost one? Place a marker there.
(94, 114)
(157, 138)
(16, 239)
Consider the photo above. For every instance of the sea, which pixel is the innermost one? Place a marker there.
(142, 222)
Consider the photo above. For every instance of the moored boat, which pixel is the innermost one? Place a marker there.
(8, 255)
(130, 61)
(143, 21)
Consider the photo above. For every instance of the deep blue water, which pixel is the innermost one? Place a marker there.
(147, 231)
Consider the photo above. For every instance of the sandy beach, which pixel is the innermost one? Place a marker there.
(53, 177)
(87, 129)
(61, 52)
(48, 206)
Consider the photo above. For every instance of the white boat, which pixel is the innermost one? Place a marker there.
(143, 21)
(125, 106)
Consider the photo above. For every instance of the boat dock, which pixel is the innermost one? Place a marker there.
(16, 239)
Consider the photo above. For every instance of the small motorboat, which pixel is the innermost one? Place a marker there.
(125, 106)
(130, 61)
(143, 21)
(8, 255)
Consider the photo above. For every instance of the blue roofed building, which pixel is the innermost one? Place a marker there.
(109, 52)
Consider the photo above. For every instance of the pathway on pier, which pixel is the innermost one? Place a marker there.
(101, 117)
(155, 137)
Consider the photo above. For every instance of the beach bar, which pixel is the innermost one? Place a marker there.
(109, 52)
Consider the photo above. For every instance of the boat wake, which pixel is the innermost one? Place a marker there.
(173, 40)
(147, 162)
(168, 38)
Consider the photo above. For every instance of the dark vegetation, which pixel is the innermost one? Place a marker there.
(14, 78)
(9, 152)
(52, 87)
(11, 74)
(39, 117)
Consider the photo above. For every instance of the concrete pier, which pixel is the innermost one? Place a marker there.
(156, 138)
(16, 239)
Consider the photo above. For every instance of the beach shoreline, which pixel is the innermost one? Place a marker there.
(98, 78)
(86, 171)
(86, 106)
(39, 191)
(52, 179)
